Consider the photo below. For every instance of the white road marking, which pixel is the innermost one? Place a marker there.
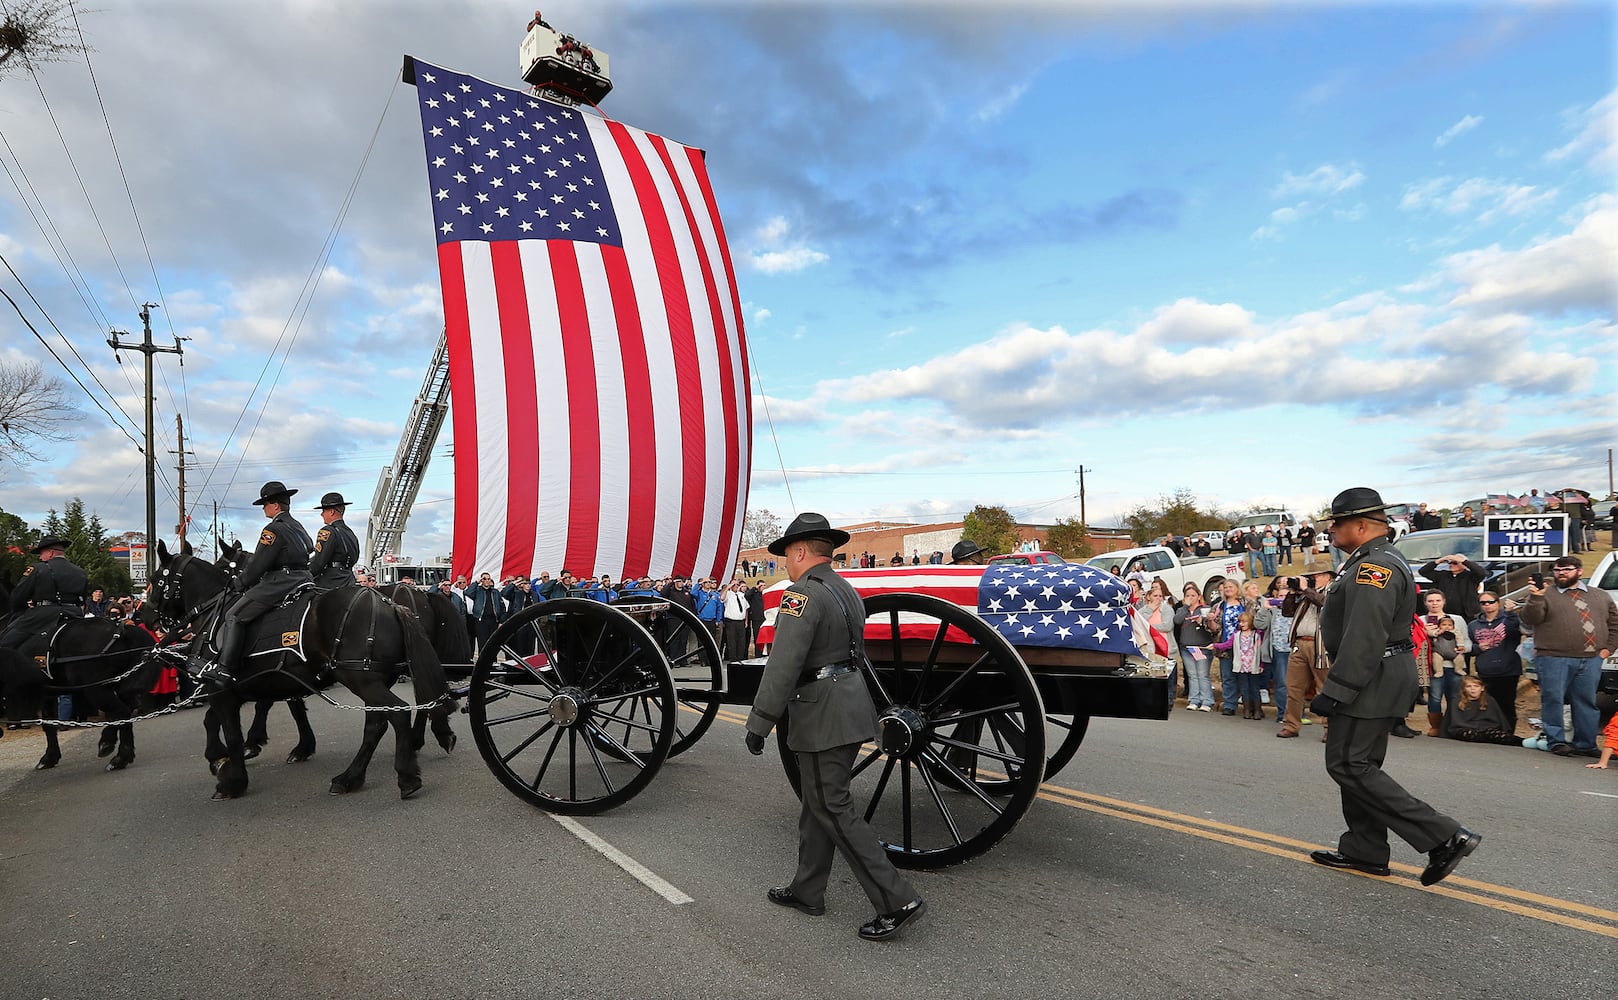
(1605, 795)
(647, 877)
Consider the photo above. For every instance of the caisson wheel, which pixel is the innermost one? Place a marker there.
(572, 706)
(694, 660)
(956, 708)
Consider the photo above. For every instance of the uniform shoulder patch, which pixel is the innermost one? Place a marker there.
(793, 603)
(266, 537)
(323, 534)
(1372, 575)
(29, 571)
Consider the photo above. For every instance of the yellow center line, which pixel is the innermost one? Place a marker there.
(1455, 887)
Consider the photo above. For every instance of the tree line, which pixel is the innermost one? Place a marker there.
(86, 546)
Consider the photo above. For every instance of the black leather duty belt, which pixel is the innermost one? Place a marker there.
(830, 670)
(1396, 648)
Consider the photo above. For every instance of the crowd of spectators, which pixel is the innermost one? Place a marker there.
(733, 612)
(1246, 647)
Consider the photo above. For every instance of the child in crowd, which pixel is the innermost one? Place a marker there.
(1474, 718)
(1246, 646)
(1609, 737)
(1447, 649)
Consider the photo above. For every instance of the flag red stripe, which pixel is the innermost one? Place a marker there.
(742, 456)
(727, 383)
(584, 414)
(522, 415)
(458, 338)
(642, 526)
(687, 362)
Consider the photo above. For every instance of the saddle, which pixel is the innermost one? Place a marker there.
(277, 631)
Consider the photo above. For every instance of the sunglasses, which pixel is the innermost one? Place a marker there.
(1488, 602)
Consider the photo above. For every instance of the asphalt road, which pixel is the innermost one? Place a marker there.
(1169, 860)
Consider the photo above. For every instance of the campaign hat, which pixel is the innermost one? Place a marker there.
(805, 526)
(273, 491)
(1359, 501)
(331, 500)
(965, 549)
(50, 542)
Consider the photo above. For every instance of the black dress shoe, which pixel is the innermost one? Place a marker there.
(1227, 711)
(886, 925)
(1442, 859)
(1404, 732)
(783, 896)
(1336, 859)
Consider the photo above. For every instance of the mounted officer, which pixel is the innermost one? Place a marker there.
(51, 591)
(278, 566)
(336, 547)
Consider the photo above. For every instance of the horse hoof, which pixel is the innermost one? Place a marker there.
(298, 757)
(405, 791)
(448, 743)
(340, 787)
(45, 764)
(117, 764)
(105, 749)
(221, 796)
(251, 751)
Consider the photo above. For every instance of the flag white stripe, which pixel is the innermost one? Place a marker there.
(613, 412)
(488, 363)
(550, 396)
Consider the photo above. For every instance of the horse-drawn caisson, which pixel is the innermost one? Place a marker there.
(598, 373)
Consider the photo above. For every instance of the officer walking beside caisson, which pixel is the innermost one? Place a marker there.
(337, 548)
(50, 591)
(813, 678)
(966, 553)
(1371, 686)
(277, 567)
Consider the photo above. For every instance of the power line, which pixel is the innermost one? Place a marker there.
(130, 194)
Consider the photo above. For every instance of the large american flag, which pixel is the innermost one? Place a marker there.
(598, 370)
(1066, 606)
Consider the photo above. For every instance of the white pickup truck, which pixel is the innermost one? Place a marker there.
(1155, 561)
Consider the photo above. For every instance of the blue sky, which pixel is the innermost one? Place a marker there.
(1263, 252)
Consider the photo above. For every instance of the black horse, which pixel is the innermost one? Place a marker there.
(362, 638)
(104, 662)
(231, 559)
(443, 618)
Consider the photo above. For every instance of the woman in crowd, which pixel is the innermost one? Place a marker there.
(1221, 617)
(1157, 607)
(1447, 647)
(1496, 633)
(1194, 640)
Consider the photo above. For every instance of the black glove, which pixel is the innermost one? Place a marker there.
(1323, 705)
(755, 744)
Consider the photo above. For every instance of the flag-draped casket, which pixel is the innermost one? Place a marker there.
(1063, 606)
(598, 371)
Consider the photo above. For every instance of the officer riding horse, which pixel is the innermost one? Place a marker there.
(356, 635)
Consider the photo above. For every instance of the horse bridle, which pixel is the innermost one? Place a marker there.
(192, 616)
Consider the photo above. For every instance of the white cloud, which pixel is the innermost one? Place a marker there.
(1326, 179)
(786, 261)
(1575, 271)
(1598, 134)
(1000, 103)
(1466, 124)
(760, 315)
(774, 257)
(1490, 199)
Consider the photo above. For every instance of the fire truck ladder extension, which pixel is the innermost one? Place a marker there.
(396, 488)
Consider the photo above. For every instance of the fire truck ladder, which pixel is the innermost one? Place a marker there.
(396, 488)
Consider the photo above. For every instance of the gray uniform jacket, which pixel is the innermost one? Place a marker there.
(337, 549)
(278, 566)
(812, 631)
(1369, 608)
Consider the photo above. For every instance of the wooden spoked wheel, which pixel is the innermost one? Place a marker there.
(573, 706)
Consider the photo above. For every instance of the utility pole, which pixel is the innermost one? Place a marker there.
(216, 530)
(179, 440)
(147, 348)
(1082, 518)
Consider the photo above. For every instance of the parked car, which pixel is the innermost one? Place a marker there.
(1028, 559)
(1605, 576)
(1601, 514)
(1155, 560)
(1215, 539)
